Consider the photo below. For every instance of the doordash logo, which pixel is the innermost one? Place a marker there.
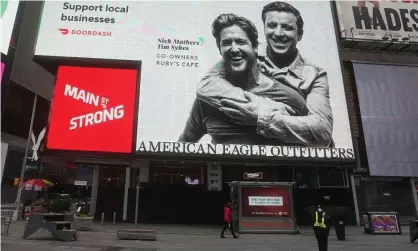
(93, 110)
(63, 31)
(78, 32)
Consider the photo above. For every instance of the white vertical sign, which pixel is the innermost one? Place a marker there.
(214, 177)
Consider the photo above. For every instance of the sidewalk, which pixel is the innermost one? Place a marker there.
(200, 238)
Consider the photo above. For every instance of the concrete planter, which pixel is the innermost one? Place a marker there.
(83, 223)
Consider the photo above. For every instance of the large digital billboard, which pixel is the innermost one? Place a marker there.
(394, 20)
(93, 110)
(218, 79)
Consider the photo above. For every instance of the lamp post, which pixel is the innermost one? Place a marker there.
(23, 169)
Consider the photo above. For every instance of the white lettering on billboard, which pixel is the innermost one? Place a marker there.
(96, 118)
(294, 110)
(93, 118)
(265, 201)
(86, 97)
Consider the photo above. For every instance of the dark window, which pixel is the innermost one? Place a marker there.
(306, 178)
(332, 177)
(17, 111)
(13, 163)
(285, 175)
(112, 177)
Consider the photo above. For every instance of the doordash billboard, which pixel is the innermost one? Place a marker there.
(200, 96)
(93, 110)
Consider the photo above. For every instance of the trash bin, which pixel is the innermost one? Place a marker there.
(413, 230)
(340, 230)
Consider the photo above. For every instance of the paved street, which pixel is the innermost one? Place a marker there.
(179, 237)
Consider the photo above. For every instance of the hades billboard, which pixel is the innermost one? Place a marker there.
(262, 81)
(395, 20)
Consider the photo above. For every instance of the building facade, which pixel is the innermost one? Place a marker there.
(379, 58)
(25, 98)
(145, 132)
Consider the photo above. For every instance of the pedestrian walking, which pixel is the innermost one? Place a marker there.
(320, 220)
(228, 220)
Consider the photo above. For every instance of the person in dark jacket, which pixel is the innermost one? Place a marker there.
(228, 220)
(320, 224)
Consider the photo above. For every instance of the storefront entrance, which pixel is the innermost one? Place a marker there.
(386, 194)
(181, 204)
(178, 192)
(171, 193)
(327, 186)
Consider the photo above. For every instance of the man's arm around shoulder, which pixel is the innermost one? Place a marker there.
(315, 129)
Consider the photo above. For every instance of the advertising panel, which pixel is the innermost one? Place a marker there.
(384, 223)
(265, 202)
(93, 110)
(8, 10)
(233, 86)
(396, 19)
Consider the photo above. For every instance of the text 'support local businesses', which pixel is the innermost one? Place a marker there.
(190, 92)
